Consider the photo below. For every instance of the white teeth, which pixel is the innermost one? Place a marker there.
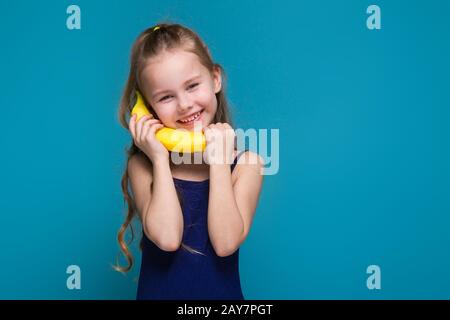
(195, 116)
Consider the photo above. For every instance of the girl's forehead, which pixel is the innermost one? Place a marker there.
(172, 68)
(178, 61)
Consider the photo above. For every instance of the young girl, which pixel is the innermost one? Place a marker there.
(194, 216)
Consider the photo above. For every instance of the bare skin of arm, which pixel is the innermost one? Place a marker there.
(156, 201)
(232, 204)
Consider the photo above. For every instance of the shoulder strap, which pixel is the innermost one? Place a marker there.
(236, 159)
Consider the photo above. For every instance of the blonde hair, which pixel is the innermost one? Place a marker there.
(149, 44)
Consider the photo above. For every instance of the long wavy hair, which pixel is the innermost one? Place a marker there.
(151, 42)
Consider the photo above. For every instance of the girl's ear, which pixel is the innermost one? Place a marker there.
(217, 77)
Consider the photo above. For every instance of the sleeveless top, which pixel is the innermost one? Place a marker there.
(181, 274)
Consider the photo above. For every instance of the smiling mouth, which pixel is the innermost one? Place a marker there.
(191, 119)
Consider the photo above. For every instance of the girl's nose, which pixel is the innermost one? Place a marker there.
(184, 103)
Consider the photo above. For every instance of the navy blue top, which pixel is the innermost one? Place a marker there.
(182, 275)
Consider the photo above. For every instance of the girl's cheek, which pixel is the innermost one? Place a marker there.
(165, 115)
(206, 99)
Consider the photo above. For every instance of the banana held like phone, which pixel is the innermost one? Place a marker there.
(173, 139)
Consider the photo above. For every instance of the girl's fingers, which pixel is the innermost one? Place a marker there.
(139, 125)
(146, 126)
(207, 128)
(137, 130)
(131, 126)
(145, 129)
(155, 127)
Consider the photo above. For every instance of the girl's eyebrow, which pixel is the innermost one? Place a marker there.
(187, 81)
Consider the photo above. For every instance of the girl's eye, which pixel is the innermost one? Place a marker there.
(164, 98)
(190, 87)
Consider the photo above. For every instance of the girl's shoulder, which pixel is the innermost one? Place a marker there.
(139, 164)
(248, 162)
(141, 159)
(248, 157)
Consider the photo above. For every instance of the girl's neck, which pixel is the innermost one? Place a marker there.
(187, 160)
(193, 161)
(191, 170)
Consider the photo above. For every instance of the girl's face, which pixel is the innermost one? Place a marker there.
(180, 89)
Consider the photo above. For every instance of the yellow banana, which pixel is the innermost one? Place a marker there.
(174, 140)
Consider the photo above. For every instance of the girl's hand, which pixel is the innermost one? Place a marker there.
(143, 133)
(219, 143)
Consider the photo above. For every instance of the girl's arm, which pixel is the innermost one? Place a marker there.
(232, 202)
(156, 201)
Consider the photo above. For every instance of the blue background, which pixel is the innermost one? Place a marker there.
(364, 143)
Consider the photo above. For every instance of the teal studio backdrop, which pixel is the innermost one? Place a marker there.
(364, 143)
